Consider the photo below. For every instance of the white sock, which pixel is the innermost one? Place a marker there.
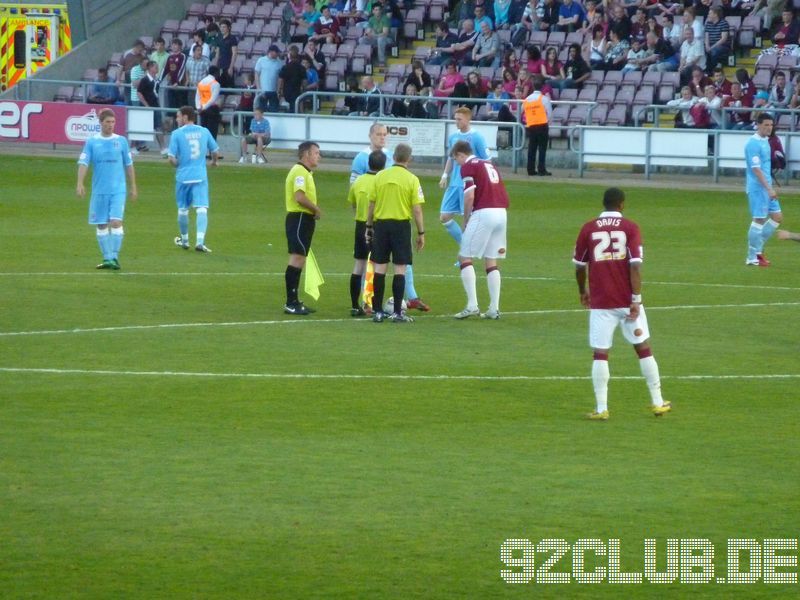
(649, 368)
(493, 281)
(468, 279)
(600, 376)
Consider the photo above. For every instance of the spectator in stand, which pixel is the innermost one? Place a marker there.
(174, 75)
(524, 87)
(690, 19)
(662, 56)
(247, 100)
(199, 39)
(549, 19)
(448, 81)
(409, 108)
(652, 25)
(326, 29)
(510, 62)
(205, 101)
(697, 84)
(499, 111)
(713, 105)
(462, 49)
(136, 75)
(317, 59)
(532, 59)
(717, 41)
(684, 104)
(509, 82)
(595, 17)
(213, 39)
(779, 94)
(635, 59)
(597, 48)
(147, 88)
(376, 33)
(480, 18)
(794, 102)
(312, 76)
(418, 76)
(267, 69)
(620, 23)
(721, 84)
(291, 14)
(160, 53)
(674, 33)
(226, 55)
(693, 54)
(571, 17)
(133, 57)
(352, 103)
(306, 21)
(476, 84)
(103, 90)
(445, 40)
(502, 13)
(531, 15)
(616, 51)
(737, 119)
(748, 87)
(576, 69)
(702, 8)
(465, 9)
(371, 104)
(197, 66)
(552, 70)
(789, 29)
(760, 104)
(638, 26)
(259, 134)
(769, 11)
(486, 51)
(291, 79)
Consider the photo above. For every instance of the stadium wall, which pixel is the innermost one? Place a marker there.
(110, 26)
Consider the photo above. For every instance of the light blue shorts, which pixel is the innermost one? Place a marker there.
(453, 200)
(761, 205)
(105, 207)
(190, 195)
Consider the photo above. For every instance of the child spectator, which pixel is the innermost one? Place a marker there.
(258, 134)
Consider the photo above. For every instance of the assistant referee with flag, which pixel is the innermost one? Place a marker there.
(301, 217)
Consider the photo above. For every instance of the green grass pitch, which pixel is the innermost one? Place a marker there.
(167, 432)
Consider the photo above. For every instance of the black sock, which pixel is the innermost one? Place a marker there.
(379, 285)
(292, 283)
(355, 289)
(398, 290)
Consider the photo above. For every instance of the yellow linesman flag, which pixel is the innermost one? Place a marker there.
(369, 284)
(314, 277)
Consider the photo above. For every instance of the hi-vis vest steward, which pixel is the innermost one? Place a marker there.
(204, 89)
(535, 113)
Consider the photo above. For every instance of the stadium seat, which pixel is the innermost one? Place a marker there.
(147, 40)
(213, 10)
(77, 94)
(188, 25)
(398, 71)
(89, 75)
(254, 29)
(750, 30)
(338, 66)
(588, 94)
(260, 47)
(246, 45)
(617, 116)
(613, 77)
(331, 81)
(435, 71)
(556, 39)
(422, 53)
(666, 92)
(568, 94)
(767, 61)
(436, 13)
(390, 86)
(329, 51)
(599, 114)
(607, 94)
(538, 38)
(358, 64)
(170, 28)
(634, 77)
(787, 63)
(786, 122)
(246, 11)
(271, 30)
(625, 95)
(651, 79)
(238, 27)
(574, 37)
(230, 10)
(263, 11)
(597, 76)
(643, 97)
(346, 50)
(197, 9)
(64, 94)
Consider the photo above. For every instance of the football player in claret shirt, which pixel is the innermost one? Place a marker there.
(485, 204)
(109, 157)
(610, 249)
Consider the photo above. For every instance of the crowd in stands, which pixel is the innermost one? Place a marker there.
(621, 54)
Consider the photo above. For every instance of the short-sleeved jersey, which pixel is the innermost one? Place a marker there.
(757, 154)
(360, 193)
(261, 126)
(300, 178)
(608, 245)
(396, 190)
(482, 176)
(361, 163)
(108, 157)
(190, 144)
(478, 145)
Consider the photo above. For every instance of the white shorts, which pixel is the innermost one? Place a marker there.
(485, 235)
(603, 322)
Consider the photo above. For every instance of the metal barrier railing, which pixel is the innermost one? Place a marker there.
(654, 117)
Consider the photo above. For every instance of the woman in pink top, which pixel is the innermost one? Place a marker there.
(509, 81)
(448, 81)
(552, 69)
(524, 83)
(533, 60)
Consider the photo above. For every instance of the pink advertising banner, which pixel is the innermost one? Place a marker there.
(54, 122)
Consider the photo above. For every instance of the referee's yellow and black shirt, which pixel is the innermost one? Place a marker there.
(397, 190)
(300, 178)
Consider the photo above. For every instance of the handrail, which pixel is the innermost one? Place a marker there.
(659, 108)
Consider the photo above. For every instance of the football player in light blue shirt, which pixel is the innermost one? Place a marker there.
(764, 206)
(453, 200)
(377, 141)
(110, 158)
(188, 148)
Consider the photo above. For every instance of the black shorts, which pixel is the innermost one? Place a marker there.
(299, 231)
(360, 248)
(392, 239)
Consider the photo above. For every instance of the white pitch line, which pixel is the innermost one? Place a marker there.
(550, 311)
(426, 275)
(211, 375)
